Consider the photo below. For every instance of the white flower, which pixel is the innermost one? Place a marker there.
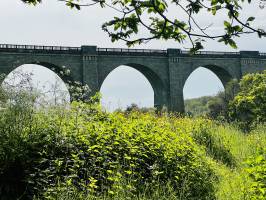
(67, 72)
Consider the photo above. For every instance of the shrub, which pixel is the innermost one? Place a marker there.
(97, 152)
(257, 172)
(249, 106)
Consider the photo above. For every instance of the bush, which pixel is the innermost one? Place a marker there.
(98, 153)
(215, 107)
(257, 172)
(249, 106)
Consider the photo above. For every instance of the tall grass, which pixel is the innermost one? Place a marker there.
(235, 183)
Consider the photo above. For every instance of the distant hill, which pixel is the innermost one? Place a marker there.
(199, 106)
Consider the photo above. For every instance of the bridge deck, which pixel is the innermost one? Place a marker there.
(112, 51)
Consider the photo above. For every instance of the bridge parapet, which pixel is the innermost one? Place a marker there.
(89, 50)
(157, 52)
(174, 52)
(37, 48)
(169, 52)
(210, 53)
(123, 51)
(249, 53)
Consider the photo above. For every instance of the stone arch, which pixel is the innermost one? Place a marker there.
(56, 69)
(66, 78)
(159, 88)
(223, 75)
(53, 67)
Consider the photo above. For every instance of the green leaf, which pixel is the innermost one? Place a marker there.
(227, 24)
(250, 19)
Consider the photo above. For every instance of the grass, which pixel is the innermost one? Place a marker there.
(235, 183)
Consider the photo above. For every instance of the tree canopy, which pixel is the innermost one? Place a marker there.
(249, 105)
(152, 17)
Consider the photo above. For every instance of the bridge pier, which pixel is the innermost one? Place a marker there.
(176, 101)
(161, 99)
(90, 68)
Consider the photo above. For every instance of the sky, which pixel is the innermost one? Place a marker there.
(52, 23)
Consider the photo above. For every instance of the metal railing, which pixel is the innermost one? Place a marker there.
(211, 53)
(106, 51)
(132, 50)
(161, 52)
(36, 47)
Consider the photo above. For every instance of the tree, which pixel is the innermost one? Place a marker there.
(218, 106)
(153, 16)
(249, 106)
(215, 107)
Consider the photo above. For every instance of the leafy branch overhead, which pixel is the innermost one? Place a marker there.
(139, 21)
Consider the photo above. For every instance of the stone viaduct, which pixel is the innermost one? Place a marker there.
(166, 70)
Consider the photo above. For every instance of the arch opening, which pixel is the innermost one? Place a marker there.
(202, 82)
(127, 85)
(39, 81)
(201, 85)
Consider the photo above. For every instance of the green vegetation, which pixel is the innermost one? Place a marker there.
(243, 103)
(80, 152)
(100, 153)
(198, 106)
(215, 107)
(249, 105)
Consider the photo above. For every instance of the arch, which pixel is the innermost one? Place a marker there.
(223, 75)
(160, 94)
(124, 87)
(198, 84)
(56, 69)
(53, 67)
(49, 90)
(220, 72)
(66, 77)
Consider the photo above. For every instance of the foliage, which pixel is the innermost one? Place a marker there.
(84, 153)
(197, 106)
(257, 171)
(243, 103)
(235, 183)
(164, 192)
(134, 107)
(155, 18)
(33, 2)
(205, 134)
(215, 107)
(249, 106)
(211, 106)
(218, 106)
(95, 152)
(77, 90)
